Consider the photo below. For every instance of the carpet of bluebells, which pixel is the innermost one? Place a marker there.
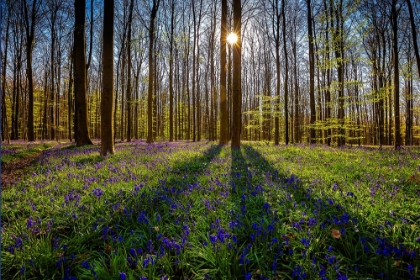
(202, 211)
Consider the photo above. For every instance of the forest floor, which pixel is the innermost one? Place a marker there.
(16, 160)
(203, 211)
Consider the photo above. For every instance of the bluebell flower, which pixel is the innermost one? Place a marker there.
(85, 264)
(213, 239)
(98, 192)
(22, 270)
(323, 273)
(123, 276)
(410, 269)
(30, 223)
(133, 252)
(331, 259)
(341, 276)
(312, 222)
(305, 242)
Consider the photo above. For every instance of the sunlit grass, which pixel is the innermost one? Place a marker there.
(195, 210)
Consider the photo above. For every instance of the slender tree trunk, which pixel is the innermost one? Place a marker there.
(171, 74)
(311, 73)
(4, 124)
(52, 78)
(414, 34)
(30, 33)
(129, 63)
(223, 67)
(151, 72)
(286, 79)
(107, 94)
(81, 117)
(296, 96)
(276, 31)
(397, 125)
(69, 98)
(340, 72)
(237, 91)
(328, 77)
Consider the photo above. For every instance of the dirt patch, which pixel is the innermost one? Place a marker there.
(13, 172)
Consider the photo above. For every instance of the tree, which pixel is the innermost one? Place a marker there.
(81, 116)
(153, 14)
(29, 22)
(4, 124)
(286, 78)
(171, 73)
(129, 86)
(397, 124)
(414, 35)
(276, 33)
(223, 67)
(311, 72)
(237, 91)
(107, 94)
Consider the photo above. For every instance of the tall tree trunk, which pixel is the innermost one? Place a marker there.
(129, 63)
(414, 35)
(311, 73)
(397, 125)
(237, 91)
(286, 73)
(107, 94)
(171, 74)
(4, 124)
(69, 99)
(276, 31)
(328, 77)
(223, 67)
(30, 34)
(81, 117)
(52, 78)
(296, 96)
(338, 38)
(151, 72)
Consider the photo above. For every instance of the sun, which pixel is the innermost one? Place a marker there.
(232, 38)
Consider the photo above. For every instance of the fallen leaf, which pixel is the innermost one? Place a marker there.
(336, 233)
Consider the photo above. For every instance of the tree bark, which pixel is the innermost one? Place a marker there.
(4, 124)
(311, 74)
(129, 64)
(30, 34)
(107, 94)
(171, 74)
(286, 78)
(237, 91)
(397, 125)
(81, 117)
(223, 67)
(151, 72)
(414, 35)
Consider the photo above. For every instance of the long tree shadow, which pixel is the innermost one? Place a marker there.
(192, 225)
(323, 225)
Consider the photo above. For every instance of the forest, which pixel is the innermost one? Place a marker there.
(210, 139)
(330, 72)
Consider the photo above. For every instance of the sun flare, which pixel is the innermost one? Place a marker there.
(232, 38)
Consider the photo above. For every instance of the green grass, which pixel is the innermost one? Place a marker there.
(14, 152)
(199, 210)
